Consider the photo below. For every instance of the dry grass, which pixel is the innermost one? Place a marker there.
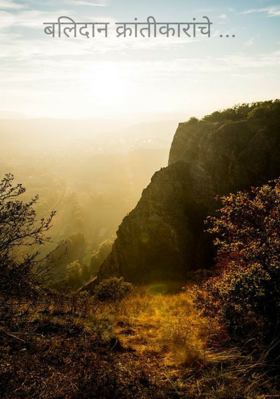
(145, 346)
(189, 351)
(166, 325)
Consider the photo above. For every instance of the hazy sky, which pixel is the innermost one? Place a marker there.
(98, 77)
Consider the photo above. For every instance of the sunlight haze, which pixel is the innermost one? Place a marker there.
(118, 77)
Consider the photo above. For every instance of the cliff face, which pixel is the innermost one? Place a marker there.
(162, 238)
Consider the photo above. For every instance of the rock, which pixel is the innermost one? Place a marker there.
(158, 234)
(163, 237)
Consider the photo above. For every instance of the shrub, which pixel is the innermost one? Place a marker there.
(246, 293)
(248, 300)
(112, 289)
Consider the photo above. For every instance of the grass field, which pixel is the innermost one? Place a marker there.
(148, 345)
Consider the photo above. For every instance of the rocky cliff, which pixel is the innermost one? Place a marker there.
(163, 238)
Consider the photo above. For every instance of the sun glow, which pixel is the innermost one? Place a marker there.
(108, 84)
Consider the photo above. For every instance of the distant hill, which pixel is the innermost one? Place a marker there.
(76, 136)
(11, 115)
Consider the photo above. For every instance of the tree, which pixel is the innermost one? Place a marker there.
(99, 256)
(68, 251)
(193, 120)
(20, 234)
(74, 275)
(258, 110)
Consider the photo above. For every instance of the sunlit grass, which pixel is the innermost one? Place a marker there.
(187, 350)
(159, 340)
(166, 326)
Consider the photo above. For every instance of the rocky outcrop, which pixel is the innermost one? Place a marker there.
(163, 238)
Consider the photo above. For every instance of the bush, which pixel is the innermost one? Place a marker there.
(112, 289)
(246, 293)
(247, 299)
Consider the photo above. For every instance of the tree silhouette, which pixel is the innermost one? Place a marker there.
(21, 235)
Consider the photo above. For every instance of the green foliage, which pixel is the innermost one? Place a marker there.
(260, 112)
(69, 260)
(99, 256)
(247, 291)
(74, 275)
(257, 110)
(68, 251)
(112, 289)
(193, 120)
